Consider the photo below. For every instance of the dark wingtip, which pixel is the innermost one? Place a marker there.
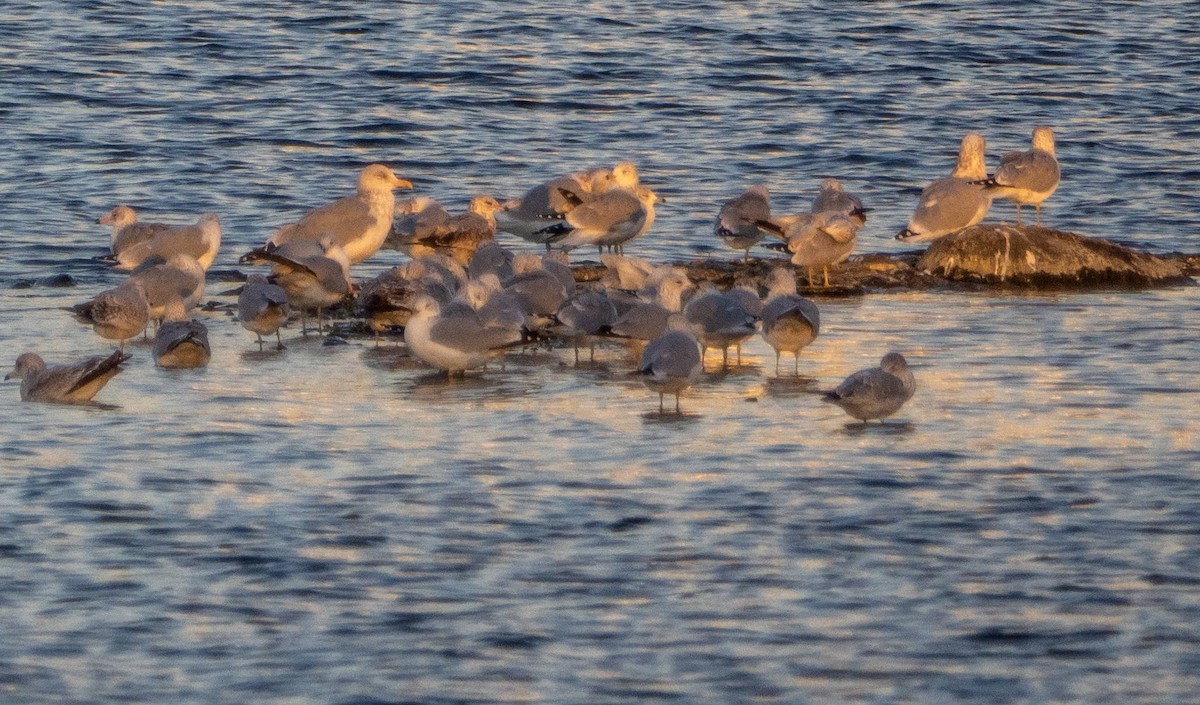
(768, 225)
(905, 234)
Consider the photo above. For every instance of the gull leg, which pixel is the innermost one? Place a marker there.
(796, 363)
(279, 341)
(1018, 213)
(1038, 209)
(677, 409)
(826, 268)
(776, 363)
(660, 402)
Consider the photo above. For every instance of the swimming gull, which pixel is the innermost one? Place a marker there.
(263, 308)
(1027, 178)
(952, 202)
(875, 393)
(358, 224)
(671, 362)
(116, 314)
(74, 383)
(744, 221)
(200, 240)
(789, 322)
(181, 343)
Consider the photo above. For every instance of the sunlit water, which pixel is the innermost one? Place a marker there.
(336, 524)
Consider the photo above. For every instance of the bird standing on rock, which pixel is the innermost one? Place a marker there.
(955, 201)
(1027, 178)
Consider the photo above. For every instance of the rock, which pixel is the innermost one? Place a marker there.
(1031, 256)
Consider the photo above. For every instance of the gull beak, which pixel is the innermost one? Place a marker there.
(403, 183)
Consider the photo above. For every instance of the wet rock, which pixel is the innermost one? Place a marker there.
(54, 281)
(1037, 257)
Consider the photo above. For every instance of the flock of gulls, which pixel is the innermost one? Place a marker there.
(463, 300)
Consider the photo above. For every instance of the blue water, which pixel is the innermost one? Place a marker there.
(335, 524)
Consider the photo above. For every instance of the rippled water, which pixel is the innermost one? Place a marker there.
(334, 524)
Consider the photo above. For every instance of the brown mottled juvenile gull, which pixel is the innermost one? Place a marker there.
(416, 219)
(460, 236)
(1027, 178)
(263, 308)
(744, 221)
(358, 224)
(116, 314)
(127, 230)
(952, 202)
(181, 342)
(672, 361)
(200, 240)
(877, 392)
(74, 383)
(789, 322)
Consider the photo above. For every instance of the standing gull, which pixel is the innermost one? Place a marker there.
(719, 320)
(1027, 178)
(358, 224)
(314, 275)
(743, 221)
(117, 314)
(952, 202)
(415, 219)
(671, 362)
(180, 277)
(820, 240)
(74, 383)
(263, 308)
(875, 393)
(452, 338)
(612, 218)
(789, 322)
(460, 236)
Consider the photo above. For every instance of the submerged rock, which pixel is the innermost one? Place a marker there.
(1031, 256)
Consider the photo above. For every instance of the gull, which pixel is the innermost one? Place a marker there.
(952, 202)
(201, 240)
(719, 320)
(660, 297)
(181, 343)
(127, 230)
(263, 308)
(743, 221)
(116, 314)
(415, 219)
(528, 217)
(789, 322)
(875, 393)
(452, 337)
(585, 315)
(539, 287)
(611, 219)
(358, 224)
(833, 197)
(179, 277)
(314, 275)
(671, 362)
(460, 236)
(74, 383)
(491, 258)
(1027, 177)
(820, 240)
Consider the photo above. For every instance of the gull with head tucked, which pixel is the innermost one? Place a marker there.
(876, 392)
